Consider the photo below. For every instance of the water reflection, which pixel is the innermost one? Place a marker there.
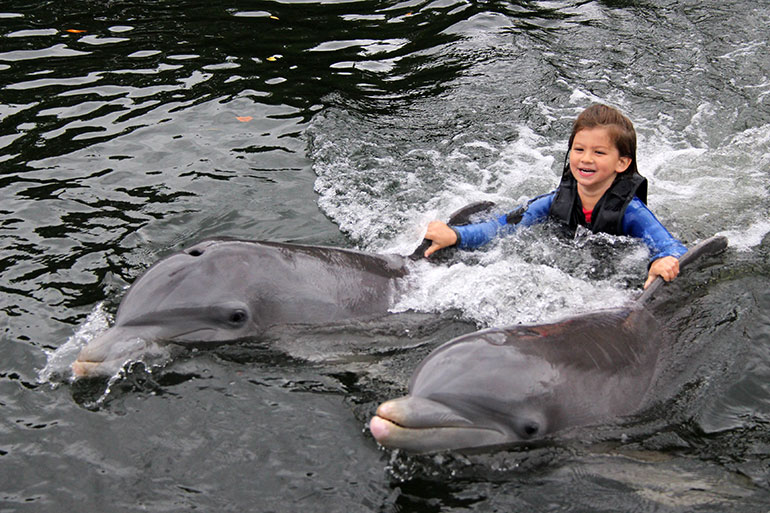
(123, 121)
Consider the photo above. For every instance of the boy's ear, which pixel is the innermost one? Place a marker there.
(623, 163)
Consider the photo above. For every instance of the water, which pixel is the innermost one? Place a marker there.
(131, 129)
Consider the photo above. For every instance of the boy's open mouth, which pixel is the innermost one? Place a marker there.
(583, 171)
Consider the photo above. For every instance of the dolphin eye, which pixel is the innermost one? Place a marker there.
(528, 429)
(195, 252)
(237, 317)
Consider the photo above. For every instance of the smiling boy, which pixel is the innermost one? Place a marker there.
(600, 189)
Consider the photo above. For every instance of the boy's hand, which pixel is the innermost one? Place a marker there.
(666, 267)
(441, 235)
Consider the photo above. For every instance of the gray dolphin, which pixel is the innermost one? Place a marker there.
(222, 290)
(503, 385)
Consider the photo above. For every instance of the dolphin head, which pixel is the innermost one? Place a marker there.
(475, 391)
(146, 334)
(200, 295)
(421, 425)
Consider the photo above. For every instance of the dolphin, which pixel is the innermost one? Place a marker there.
(223, 290)
(503, 385)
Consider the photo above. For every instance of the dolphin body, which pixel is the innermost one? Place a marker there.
(223, 290)
(504, 385)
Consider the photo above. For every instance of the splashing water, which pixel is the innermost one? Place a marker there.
(58, 368)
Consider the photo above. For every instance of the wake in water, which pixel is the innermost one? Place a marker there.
(382, 184)
(529, 277)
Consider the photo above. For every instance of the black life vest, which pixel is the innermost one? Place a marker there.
(607, 216)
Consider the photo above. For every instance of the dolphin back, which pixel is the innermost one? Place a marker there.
(617, 347)
(278, 282)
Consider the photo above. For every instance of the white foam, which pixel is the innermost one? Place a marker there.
(700, 185)
(748, 237)
(723, 189)
(496, 286)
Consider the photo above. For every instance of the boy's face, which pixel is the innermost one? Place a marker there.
(594, 160)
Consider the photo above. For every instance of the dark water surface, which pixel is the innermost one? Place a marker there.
(132, 129)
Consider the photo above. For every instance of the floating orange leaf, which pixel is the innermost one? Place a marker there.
(75, 31)
(244, 119)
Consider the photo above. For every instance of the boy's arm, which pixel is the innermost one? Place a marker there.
(666, 267)
(665, 250)
(640, 222)
(472, 236)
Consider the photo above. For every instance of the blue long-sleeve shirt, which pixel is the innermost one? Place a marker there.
(638, 221)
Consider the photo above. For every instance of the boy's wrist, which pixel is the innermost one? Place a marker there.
(457, 233)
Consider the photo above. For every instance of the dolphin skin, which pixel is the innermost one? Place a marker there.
(222, 290)
(504, 385)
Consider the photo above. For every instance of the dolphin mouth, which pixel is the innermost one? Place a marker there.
(91, 363)
(422, 425)
(88, 369)
(110, 351)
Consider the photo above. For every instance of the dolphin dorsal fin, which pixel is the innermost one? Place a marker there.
(710, 246)
(458, 218)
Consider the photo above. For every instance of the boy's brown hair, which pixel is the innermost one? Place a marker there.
(620, 128)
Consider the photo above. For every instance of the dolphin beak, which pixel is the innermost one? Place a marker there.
(106, 354)
(84, 369)
(421, 425)
(418, 412)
